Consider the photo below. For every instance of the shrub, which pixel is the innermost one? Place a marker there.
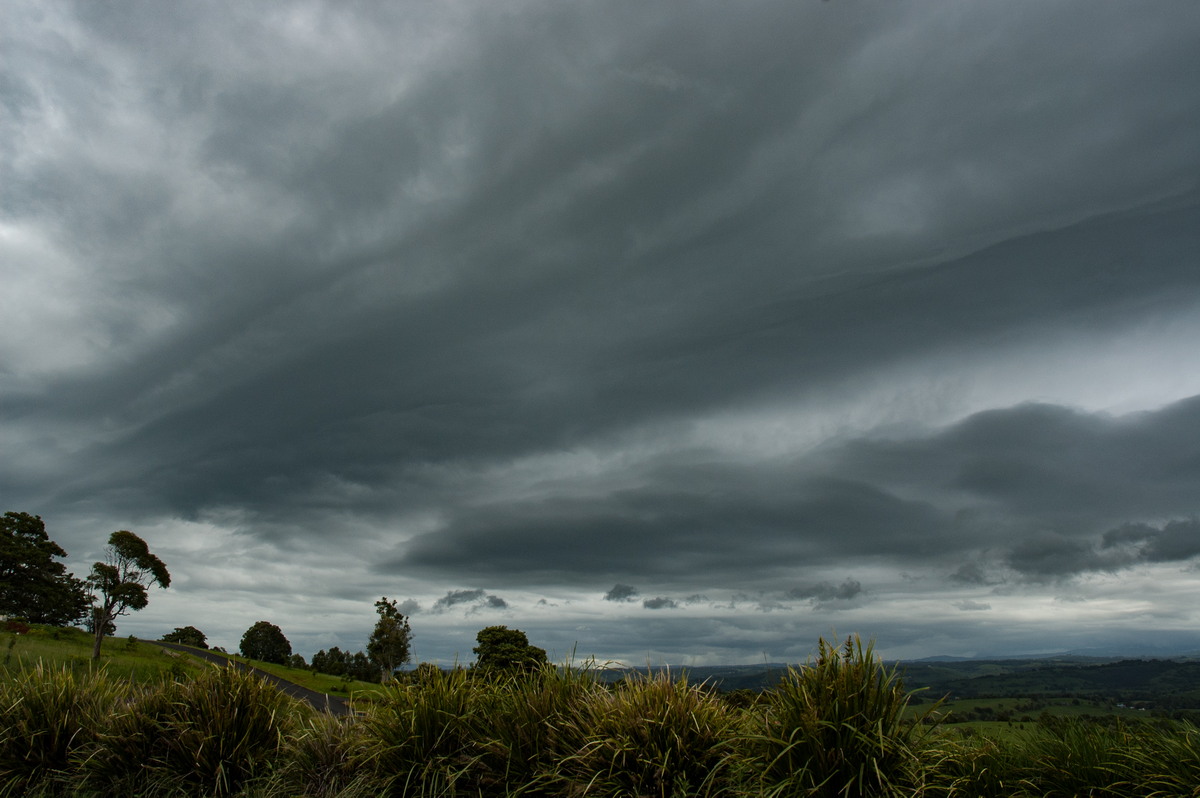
(836, 728)
(48, 716)
(210, 735)
(975, 766)
(323, 758)
(1163, 761)
(419, 735)
(654, 736)
(527, 724)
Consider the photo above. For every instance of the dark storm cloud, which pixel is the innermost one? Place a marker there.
(1050, 479)
(826, 591)
(324, 276)
(660, 603)
(621, 592)
(474, 599)
(1175, 541)
(733, 525)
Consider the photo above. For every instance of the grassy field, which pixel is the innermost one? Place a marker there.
(838, 727)
(123, 658)
(141, 661)
(321, 682)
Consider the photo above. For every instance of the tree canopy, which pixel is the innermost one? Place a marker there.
(33, 584)
(265, 641)
(188, 636)
(389, 644)
(506, 650)
(121, 581)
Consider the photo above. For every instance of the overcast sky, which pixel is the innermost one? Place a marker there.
(665, 332)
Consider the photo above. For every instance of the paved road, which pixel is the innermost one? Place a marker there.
(331, 704)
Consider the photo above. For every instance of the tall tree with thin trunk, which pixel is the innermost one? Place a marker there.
(119, 583)
(388, 647)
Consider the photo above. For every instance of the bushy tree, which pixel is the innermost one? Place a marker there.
(188, 636)
(506, 650)
(336, 662)
(265, 642)
(361, 668)
(390, 642)
(120, 582)
(33, 584)
(332, 662)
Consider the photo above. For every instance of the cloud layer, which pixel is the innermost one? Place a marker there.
(653, 334)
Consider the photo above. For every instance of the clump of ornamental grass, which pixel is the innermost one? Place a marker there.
(1165, 760)
(48, 716)
(323, 758)
(653, 736)
(526, 723)
(976, 767)
(211, 735)
(1071, 757)
(419, 735)
(836, 727)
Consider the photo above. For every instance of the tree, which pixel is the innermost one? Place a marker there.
(265, 641)
(33, 585)
(360, 667)
(388, 647)
(188, 636)
(332, 662)
(120, 581)
(506, 650)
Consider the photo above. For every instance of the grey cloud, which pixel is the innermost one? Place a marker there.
(340, 272)
(621, 592)
(826, 591)
(749, 525)
(1175, 541)
(660, 603)
(966, 605)
(972, 573)
(472, 598)
(409, 607)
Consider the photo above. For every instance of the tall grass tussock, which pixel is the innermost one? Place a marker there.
(837, 726)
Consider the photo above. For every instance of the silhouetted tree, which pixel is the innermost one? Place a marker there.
(120, 581)
(265, 641)
(33, 584)
(188, 636)
(506, 650)
(388, 647)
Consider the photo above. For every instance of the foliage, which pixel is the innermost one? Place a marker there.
(120, 582)
(390, 641)
(265, 641)
(49, 715)
(324, 756)
(420, 735)
(504, 650)
(186, 635)
(830, 728)
(655, 736)
(210, 736)
(837, 728)
(33, 585)
(528, 726)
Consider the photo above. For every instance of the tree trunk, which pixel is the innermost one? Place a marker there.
(99, 621)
